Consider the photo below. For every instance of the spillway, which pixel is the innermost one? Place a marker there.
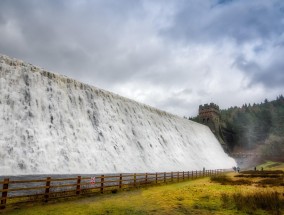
(52, 124)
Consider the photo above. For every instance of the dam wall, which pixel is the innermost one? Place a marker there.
(52, 124)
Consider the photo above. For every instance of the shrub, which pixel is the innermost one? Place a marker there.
(268, 201)
(222, 179)
(272, 181)
(225, 180)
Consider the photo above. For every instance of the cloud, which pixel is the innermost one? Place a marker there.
(241, 21)
(254, 28)
(173, 55)
(262, 62)
(271, 75)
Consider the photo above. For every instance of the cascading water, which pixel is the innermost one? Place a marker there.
(55, 125)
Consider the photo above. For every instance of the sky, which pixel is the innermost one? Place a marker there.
(170, 54)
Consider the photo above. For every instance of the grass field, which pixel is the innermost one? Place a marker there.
(200, 196)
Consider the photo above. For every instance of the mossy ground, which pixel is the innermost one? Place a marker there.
(270, 165)
(200, 196)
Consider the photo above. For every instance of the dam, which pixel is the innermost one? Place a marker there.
(52, 124)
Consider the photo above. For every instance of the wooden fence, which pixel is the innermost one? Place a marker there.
(22, 191)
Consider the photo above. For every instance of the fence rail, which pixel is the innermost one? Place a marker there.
(20, 191)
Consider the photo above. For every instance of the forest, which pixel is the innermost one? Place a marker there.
(255, 127)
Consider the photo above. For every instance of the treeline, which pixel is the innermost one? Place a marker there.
(256, 125)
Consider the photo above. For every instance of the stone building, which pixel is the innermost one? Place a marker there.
(209, 114)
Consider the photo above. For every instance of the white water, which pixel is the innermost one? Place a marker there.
(52, 124)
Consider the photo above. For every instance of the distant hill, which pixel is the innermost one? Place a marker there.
(256, 126)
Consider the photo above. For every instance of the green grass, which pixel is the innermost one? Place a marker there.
(266, 201)
(271, 165)
(191, 197)
(200, 196)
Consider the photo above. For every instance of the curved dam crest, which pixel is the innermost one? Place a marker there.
(51, 124)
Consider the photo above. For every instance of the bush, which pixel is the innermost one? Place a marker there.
(272, 181)
(268, 201)
(225, 180)
(222, 179)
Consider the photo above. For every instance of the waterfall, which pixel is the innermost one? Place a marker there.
(51, 124)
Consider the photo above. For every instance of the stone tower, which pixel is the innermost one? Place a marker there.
(209, 114)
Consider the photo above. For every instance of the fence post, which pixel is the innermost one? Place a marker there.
(165, 179)
(120, 181)
(146, 178)
(156, 177)
(4, 193)
(196, 173)
(182, 175)
(172, 175)
(102, 183)
(188, 175)
(78, 187)
(47, 189)
(178, 177)
(134, 180)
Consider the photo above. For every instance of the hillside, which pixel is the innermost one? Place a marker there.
(257, 127)
(258, 124)
(54, 124)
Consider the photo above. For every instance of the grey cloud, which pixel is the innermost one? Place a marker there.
(70, 36)
(185, 92)
(178, 105)
(240, 20)
(224, 1)
(272, 75)
(158, 45)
